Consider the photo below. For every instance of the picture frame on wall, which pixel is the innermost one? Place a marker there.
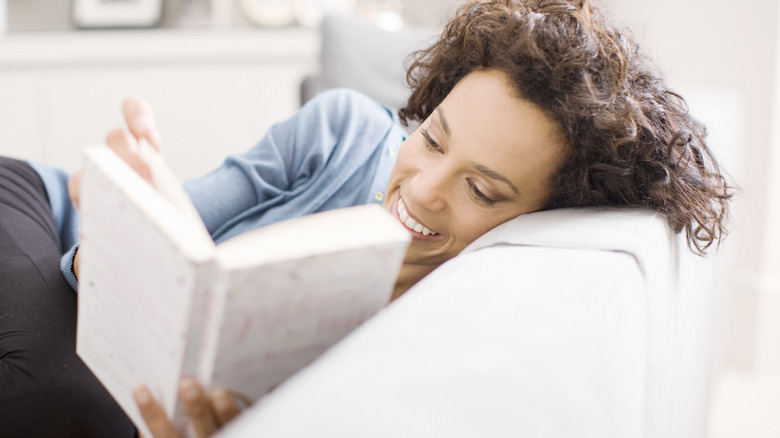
(117, 13)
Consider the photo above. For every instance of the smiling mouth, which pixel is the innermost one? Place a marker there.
(411, 223)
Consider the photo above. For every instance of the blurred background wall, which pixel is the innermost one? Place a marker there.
(723, 57)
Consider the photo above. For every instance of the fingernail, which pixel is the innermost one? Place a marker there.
(142, 396)
(144, 123)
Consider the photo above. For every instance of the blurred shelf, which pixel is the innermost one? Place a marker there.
(82, 48)
(215, 91)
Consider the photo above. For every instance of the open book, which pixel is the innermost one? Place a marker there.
(159, 300)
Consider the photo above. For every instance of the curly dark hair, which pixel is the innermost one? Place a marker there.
(632, 141)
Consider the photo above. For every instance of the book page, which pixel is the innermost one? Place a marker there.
(281, 315)
(137, 283)
(329, 231)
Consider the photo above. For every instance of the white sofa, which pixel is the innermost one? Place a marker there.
(566, 323)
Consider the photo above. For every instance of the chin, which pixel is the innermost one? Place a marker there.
(417, 256)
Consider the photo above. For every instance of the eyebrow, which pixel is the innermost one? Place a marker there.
(479, 167)
(443, 121)
(495, 176)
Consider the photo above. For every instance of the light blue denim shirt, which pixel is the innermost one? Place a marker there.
(337, 151)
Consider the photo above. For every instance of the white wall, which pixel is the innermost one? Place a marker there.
(722, 56)
(428, 12)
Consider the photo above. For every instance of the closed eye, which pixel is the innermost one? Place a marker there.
(430, 143)
(479, 195)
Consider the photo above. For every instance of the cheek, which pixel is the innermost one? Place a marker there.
(469, 223)
(408, 152)
(407, 161)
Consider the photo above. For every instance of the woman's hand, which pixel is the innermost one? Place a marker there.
(141, 125)
(207, 412)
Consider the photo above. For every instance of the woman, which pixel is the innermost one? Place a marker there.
(525, 106)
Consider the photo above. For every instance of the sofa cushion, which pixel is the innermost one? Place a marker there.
(360, 56)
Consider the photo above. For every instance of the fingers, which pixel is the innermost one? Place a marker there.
(141, 124)
(153, 414)
(141, 121)
(126, 146)
(225, 407)
(122, 142)
(206, 413)
(198, 407)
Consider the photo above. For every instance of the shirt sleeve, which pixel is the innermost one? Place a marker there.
(291, 171)
(66, 266)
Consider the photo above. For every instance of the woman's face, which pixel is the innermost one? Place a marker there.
(483, 157)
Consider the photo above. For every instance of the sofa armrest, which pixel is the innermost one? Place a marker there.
(503, 341)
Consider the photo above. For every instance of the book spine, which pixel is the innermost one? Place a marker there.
(201, 307)
(212, 322)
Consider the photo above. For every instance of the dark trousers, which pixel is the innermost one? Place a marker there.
(45, 389)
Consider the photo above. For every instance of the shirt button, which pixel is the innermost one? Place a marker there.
(379, 196)
(391, 151)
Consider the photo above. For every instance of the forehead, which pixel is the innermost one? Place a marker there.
(495, 128)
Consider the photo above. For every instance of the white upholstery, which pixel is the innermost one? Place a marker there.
(568, 323)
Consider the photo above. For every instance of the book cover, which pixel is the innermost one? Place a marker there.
(158, 300)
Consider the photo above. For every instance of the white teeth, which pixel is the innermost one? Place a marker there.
(411, 223)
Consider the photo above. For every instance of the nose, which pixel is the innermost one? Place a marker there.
(430, 187)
